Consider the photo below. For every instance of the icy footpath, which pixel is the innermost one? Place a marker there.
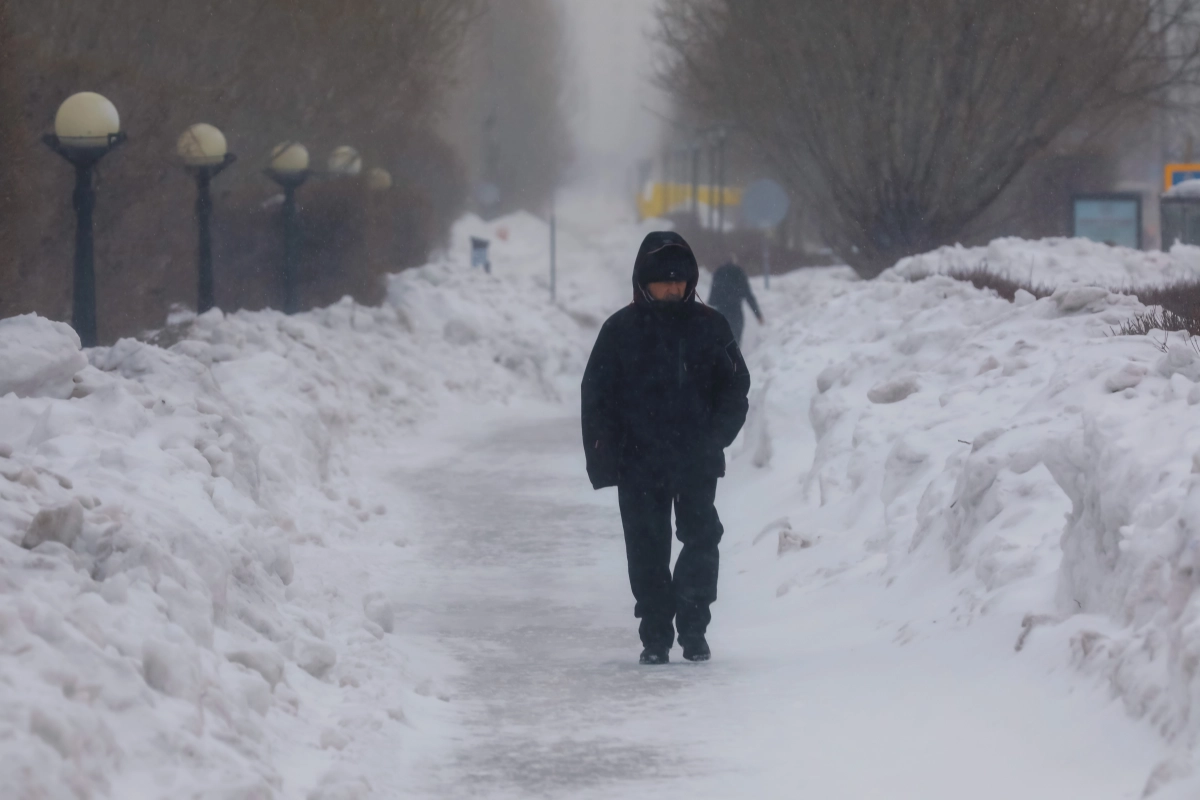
(156, 638)
(1016, 457)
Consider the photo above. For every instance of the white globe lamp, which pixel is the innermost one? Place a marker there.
(86, 120)
(345, 161)
(379, 179)
(202, 145)
(289, 158)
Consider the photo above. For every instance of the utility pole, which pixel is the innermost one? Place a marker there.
(712, 183)
(721, 182)
(695, 181)
(553, 250)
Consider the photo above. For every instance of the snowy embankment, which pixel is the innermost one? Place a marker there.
(1056, 262)
(155, 636)
(1015, 457)
(181, 611)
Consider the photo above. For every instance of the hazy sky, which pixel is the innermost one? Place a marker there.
(611, 62)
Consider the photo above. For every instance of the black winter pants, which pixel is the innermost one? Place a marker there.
(646, 517)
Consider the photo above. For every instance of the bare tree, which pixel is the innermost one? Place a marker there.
(904, 120)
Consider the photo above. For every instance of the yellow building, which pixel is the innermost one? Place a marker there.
(660, 199)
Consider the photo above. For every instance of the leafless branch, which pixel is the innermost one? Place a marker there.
(905, 120)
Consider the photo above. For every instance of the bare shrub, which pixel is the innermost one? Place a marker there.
(1158, 320)
(1181, 297)
(903, 122)
(1174, 306)
(981, 277)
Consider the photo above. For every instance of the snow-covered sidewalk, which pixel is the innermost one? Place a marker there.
(353, 553)
(522, 579)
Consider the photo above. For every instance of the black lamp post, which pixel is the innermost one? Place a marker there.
(289, 168)
(203, 150)
(86, 128)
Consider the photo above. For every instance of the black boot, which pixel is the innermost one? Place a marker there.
(695, 648)
(655, 655)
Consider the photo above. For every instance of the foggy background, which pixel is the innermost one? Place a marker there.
(496, 106)
(611, 88)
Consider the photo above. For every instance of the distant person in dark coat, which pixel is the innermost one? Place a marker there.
(664, 394)
(730, 287)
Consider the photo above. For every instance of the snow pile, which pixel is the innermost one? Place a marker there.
(143, 618)
(156, 636)
(1188, 188)
(38, 358)
(1054, 262)
(951, 433)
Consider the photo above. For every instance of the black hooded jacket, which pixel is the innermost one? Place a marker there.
(664, 392)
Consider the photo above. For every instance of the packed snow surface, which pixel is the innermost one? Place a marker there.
(353, 553)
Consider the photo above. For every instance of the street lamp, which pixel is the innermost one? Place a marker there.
(344, 161)
(203, 150)
(379, 179)
(289, 168)
(86, 128)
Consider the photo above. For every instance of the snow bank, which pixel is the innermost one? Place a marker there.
(153, 640)
(38, 358)
(136, 563)
(1045, 468)
(1055, 262)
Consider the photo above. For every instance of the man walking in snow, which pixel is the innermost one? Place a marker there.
(664, 394)
(730, 287)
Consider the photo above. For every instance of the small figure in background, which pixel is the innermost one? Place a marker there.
(479, 254)
(730, 287)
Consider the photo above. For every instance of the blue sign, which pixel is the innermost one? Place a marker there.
(1175, 174)
(1113, 219)
(1180, 176)
(764, 204)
